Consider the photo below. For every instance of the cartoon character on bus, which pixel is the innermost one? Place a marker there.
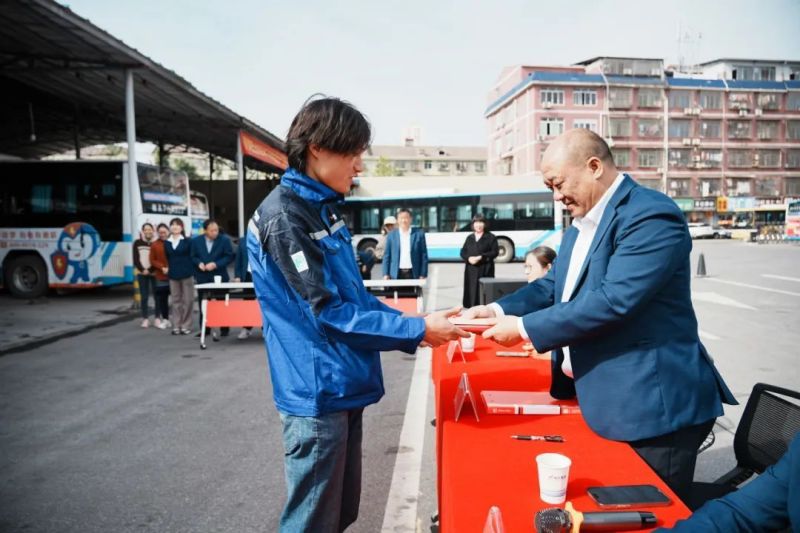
(77, 244)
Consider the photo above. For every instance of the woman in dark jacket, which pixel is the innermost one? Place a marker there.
(479, 252)
(181, 278)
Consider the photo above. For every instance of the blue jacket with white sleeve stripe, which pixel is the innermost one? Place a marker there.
(323, 330)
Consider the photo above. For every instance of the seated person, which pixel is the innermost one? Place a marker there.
(771, 502)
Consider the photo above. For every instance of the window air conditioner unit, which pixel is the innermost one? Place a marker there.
(695, 142)
(687, 111)
(697, 110)
(743, 112)
(610, 142)
(687, 142)
(660, 170)
(759, 112)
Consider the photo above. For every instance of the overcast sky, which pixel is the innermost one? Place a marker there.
(421, 62)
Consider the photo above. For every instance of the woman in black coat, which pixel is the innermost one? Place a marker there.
(479, 252)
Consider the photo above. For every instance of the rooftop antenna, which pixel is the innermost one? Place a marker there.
(688, 42)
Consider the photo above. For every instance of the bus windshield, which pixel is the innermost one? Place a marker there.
(163, 191)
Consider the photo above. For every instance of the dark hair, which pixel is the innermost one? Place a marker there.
(147, 224)
(162, 225)
(208, 222)
(179, 222)
(480, 218)
(543, 254)
(329, 123)
(404, 210)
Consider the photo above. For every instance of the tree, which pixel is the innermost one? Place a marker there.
(186, 166)
(384, 167)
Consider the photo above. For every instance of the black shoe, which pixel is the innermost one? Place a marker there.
(215, 337)
(197, 334)
(224, 332)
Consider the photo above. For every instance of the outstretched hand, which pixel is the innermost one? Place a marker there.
(439, 330)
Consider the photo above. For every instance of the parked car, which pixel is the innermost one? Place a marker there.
(701, 230)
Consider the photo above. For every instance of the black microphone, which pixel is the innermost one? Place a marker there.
(558, 520)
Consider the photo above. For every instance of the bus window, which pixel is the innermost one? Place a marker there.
(504, 211)
(370, 220)
(42, 199)
(430, 220)
(52, 195)
(456, 217)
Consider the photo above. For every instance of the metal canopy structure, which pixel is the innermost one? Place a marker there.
(62, 86)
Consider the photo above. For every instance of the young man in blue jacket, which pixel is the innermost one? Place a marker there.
(211, 254)
(323, 330)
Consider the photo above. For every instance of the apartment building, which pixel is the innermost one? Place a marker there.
(411, 160)
(729, 129)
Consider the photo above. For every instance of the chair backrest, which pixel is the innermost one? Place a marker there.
(768, 425)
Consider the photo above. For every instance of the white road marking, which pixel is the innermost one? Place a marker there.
(757, 287)
(401, 505)
(707, 335)
(784, 278)
(715, 298)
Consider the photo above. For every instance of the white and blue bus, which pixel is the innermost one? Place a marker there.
(61, 222)
(520, 220)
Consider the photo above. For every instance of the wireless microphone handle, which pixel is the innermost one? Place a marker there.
(617, 520)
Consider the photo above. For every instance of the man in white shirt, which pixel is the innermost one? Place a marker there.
(406, 252)
(616, 310)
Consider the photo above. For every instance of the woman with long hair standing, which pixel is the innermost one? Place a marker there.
(479, 252)
(181, 278)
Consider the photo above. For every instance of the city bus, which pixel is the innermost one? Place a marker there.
(793, 220)
(61, 222)
(520, 220)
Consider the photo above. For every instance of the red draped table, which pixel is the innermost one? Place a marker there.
(479, 465)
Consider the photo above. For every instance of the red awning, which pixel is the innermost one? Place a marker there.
(257, 149)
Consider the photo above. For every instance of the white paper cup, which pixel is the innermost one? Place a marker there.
(553, 477)
(217, 279)
(468, 343)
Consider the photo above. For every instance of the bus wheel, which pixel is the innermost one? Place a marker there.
(26, 276)
(506, 250)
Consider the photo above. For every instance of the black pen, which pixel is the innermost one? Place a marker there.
(548, 438)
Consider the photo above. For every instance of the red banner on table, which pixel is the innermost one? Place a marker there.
(260, 150)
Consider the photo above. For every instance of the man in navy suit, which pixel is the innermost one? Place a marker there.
(406, 255)
(211, 254)
(616, 309)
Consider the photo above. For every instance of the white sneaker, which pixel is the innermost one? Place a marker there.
(164, 324)
(145, 323)
(245, 333)
(157, 322)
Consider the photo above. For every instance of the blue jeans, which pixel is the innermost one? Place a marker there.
(147, 286)
(322, 457)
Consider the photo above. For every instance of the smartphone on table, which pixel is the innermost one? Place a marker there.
(622, 496)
